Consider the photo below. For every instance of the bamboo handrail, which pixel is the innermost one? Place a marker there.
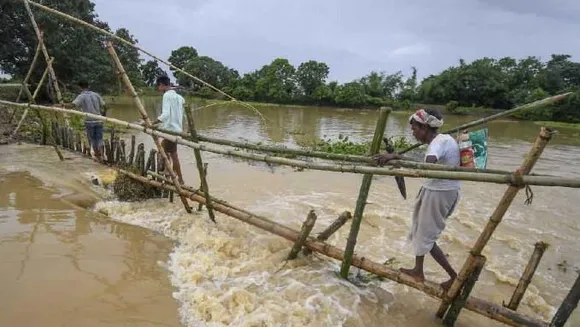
(331, 156)
(509, 179)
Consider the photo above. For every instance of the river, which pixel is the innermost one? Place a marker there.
(151, 264)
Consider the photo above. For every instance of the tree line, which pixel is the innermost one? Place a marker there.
(483, 83)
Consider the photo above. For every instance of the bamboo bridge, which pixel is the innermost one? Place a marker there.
(57, 133)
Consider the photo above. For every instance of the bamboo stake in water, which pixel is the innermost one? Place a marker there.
(430, 288)
(335, 226)
(147, 121)
(459, 302)
(304, 233)
(199, 163)
(363, 194)
(539, 249)
(568, 305)
(496, 217)
(533, 105)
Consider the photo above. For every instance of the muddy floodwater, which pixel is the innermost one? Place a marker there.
(74, 256)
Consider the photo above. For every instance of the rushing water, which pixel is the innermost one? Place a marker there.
(232, 274)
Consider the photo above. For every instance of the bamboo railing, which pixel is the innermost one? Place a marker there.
(458, 296)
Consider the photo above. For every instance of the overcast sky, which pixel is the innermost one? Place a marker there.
(352, 37)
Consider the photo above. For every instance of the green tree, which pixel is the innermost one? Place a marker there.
(276, 81)
(180, 58)
(211, 71)
(350, 95)
(311, 75)
(129, 57)
(151, 71)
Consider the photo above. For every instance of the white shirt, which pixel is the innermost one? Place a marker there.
(445, 148)
(172, 111)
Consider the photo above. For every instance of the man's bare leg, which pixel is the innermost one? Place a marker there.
(176, 166)
(441, 259)
(417, 271)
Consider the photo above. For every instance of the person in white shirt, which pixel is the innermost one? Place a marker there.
(171, 119)
(437, 198)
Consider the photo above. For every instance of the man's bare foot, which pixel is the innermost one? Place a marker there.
(446, 285)
(417, 276)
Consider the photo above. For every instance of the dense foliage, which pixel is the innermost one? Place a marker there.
(80, 54)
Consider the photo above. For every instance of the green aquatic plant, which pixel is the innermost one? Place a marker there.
(343, 145)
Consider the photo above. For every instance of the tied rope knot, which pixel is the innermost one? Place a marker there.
(518, 181)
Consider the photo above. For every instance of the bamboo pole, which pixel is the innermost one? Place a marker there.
(568, 305)
(132, 152)
(510, 179)
(140, 161)
(460, 300)
(363, 195)
(117, 38)
(199, 163)
(335, 226)
(146, 120)
(494, 311)
(533, 105)
(331, 156)
(39, 35)
(539, 249)
(205, 164)
(496, 217)
(304, 233)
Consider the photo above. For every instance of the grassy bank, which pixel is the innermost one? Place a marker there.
(557, 124)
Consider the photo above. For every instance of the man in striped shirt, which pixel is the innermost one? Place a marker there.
(171, 119)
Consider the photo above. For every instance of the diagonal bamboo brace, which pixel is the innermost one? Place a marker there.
(44, 51)
(363, 194)
(147, 121)
(460, 300)
(496, 217)
(200, 165)
(568, 305)
(539, 249)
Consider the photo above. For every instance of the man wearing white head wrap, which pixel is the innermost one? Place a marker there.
(437, 198)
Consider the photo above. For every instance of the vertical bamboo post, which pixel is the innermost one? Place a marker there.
(335, 226)
(568, 305)
(304, 233)
(363, 194)
(200, 205)
(150, 160)
(461, 299)
(140, 158)
(147, 121)
(496, 217)
(122, 161)
(132, 152)
(199, 163)
(51, 72)
(539, 249)
(108, 156)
